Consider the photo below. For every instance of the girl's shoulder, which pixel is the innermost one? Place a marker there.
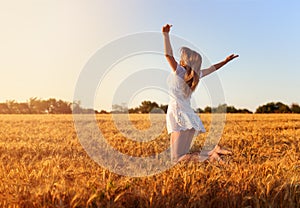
(180, 70)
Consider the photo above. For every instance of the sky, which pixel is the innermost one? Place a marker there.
(46, 44)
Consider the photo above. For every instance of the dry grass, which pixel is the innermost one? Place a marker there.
(44, 165)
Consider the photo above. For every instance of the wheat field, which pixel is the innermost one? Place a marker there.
(44, 165)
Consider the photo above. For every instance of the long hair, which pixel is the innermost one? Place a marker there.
(191, 61)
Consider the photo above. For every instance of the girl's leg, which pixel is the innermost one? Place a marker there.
(181, 143)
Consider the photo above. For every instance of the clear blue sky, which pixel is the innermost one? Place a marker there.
(45, 44)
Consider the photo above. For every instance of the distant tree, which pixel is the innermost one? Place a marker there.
(244, 111)
(220, 109)
(134, 110)
(23, 108)
(33, 105)
(89, 111)
(231, 109)
(223, 108)
(62, 107)
(295, 108)
(282, 108)
(4, 109)
(49, 106)
(147, 106)
(273, 108)
(103, 112)
(13, 106)
(116, 108)
(199, 110)
(75, 106)
(207, 109)
(157, 110)
(164, 108)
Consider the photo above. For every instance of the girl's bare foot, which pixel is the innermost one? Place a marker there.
(190, 157)
(214, 155)
(211, 156)
(222, 151)
(185, 158)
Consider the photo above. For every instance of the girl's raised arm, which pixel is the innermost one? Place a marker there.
(217, 66)
(168, 47)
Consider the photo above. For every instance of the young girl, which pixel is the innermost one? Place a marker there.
(182, 121)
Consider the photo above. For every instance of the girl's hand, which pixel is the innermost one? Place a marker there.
(231, 57)
(166, 28)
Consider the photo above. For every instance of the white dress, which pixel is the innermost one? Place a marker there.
(180, 115)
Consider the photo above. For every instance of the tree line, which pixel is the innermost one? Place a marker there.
(148, 106)
(278, 108)
(153, 107)
(54, 106)
(36, 106)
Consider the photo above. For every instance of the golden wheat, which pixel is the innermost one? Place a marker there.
(44, 165)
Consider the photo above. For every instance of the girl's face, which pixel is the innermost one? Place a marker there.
(181, 63)
(184, 65)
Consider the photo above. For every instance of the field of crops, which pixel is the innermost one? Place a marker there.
(42, 164)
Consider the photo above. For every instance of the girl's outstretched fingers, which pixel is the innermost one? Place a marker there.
(231, 57)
